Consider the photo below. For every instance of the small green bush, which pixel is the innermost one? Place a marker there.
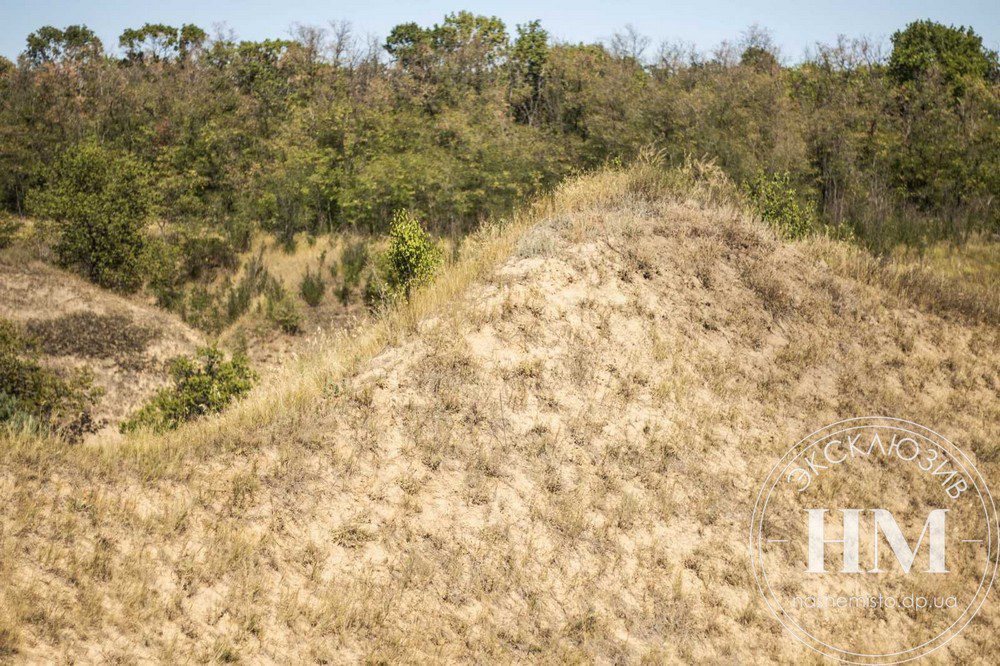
(412, 256)
(773, 197)
(32, 393)
(8, 229)
(283, 311)
(254, 281)
(98, 199)
(353, 259)
(312, 288)
(375, 293)
(205, 384)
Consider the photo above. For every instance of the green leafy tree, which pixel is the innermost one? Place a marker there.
(527, 68)
(462, 52)
(924, 47)
(76, 43)
(98, 199)
(154, 42)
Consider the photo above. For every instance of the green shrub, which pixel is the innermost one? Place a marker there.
(30, 392)
(202, 309)
(205, 384)
(353, 259)
(376, 292)
(164, 272)
(312, 288)
(773, 197)
(8, 229)
(283, 311)
(412, 256)
(98, 199)
(204, 253)
(252, 283)
(344, 294)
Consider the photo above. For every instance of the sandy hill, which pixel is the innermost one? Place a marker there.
(550, 455)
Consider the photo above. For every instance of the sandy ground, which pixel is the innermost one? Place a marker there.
(558, 466)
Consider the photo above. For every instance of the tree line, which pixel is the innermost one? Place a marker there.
(165, 157)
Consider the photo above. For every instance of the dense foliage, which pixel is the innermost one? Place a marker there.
(99, 201)
(201, 385)
(461, 120)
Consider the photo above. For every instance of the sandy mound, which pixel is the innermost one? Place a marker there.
(559, 466)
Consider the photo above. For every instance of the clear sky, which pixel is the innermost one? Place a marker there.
(795, 24)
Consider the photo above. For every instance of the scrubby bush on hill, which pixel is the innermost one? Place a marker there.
(202, 385)
(33, 394)
(283, 311)
(98, 199)
(773, 197)
(312, 288)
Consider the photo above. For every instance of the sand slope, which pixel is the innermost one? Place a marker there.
(559, 465)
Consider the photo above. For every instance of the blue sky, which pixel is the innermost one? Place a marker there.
(795, 25)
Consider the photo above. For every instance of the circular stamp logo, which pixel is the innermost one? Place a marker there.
(874, 541)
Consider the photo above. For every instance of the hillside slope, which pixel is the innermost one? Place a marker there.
(559, 464)
(127, 344)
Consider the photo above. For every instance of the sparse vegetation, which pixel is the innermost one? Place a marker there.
(202, 385)
(388, 448)
(474, 470)
(33, 396)
(312, 288)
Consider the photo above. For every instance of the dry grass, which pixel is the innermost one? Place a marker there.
(962, 282)
(550, 455)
